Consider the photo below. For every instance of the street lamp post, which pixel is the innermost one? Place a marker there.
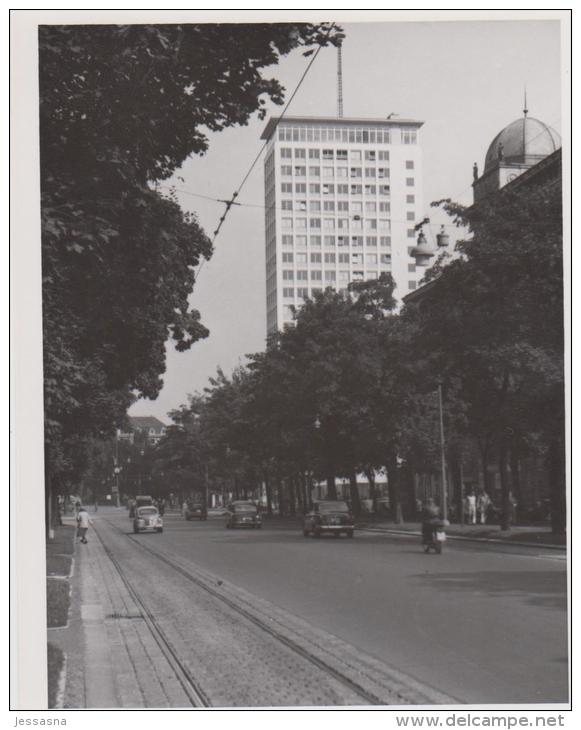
(206, 481)
(443, 456)
(117, 468)
(422, 253)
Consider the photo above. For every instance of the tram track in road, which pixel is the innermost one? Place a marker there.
(370, 680)
(193, 691)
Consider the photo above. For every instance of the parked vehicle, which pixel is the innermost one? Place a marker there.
(243, 514)
(434, 535)
(196, 510)
(147, 518)
(329, 517)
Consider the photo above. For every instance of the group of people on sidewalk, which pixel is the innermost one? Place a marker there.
(477, 508)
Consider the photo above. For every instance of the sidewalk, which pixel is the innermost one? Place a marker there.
(522, 535)
(80, 635)
(111, 660)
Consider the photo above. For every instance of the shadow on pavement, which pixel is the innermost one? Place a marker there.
(542, 588)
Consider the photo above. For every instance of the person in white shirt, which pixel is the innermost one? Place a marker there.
(471, 504)
(83, 522)
(482, 506)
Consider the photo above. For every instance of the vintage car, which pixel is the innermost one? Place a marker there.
(147, 518)
(242, 514)
(329, 517)
(196, 510)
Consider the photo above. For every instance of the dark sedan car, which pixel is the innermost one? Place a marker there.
(243, 514)
(330, 517)
(196, 510)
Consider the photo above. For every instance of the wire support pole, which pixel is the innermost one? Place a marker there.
(340, 81)
(443, 456)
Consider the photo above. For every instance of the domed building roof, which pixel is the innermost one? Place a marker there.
(525, 141)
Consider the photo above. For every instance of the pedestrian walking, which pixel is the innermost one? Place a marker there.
(430, 515)
(471, 504)
(83, 522)
(482, 506)
(512, 505)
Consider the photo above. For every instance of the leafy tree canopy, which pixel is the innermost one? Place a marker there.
(121, 107)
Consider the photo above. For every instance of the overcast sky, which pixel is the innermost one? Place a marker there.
(465, 80)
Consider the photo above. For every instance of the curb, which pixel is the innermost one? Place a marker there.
(62, 684)
(450, 536)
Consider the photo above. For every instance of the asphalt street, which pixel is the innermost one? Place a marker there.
(483, 624)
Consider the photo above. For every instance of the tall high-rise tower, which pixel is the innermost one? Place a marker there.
(342, 197)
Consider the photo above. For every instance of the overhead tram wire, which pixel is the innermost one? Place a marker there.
(232, 201)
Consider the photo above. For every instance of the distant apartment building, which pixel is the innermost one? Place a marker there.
(342, 197)
(149, 426)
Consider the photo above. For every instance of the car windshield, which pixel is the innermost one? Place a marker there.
(244, 508)
(333, 507)
(147, 511)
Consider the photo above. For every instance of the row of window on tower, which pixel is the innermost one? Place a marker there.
(330, 241)
(333, 258)
(352, 135)
(330, 173)
(302, 153)
(341, 189)
(341, 206)
(329, 276)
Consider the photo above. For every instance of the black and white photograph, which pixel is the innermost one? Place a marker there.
(296, 414)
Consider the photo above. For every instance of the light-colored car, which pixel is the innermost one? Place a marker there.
(331, 517)
(147, 518)
(242, 514)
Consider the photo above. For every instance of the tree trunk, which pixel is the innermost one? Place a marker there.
(462, 516)
(268, 490)
(299, 492)
(516, 482)
(281, 495)
(292, 496)
(331, 487)
(393, 486)
(504, 486)
(303, 489)
(556, 469)
(370, 474)
(309, 488)
(456, 475)
(485, 475)
(354, 493)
